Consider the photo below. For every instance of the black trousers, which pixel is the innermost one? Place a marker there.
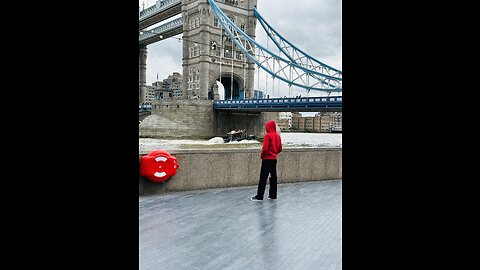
(269, 166)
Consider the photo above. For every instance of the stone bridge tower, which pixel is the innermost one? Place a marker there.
(142, 70)
(209, 55)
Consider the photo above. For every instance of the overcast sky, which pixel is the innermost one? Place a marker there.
(314, 26)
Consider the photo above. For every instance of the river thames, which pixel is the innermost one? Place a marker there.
(289, 139)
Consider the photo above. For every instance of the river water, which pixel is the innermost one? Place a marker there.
(289, 139)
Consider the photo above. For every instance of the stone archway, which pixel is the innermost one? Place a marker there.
(226, 80)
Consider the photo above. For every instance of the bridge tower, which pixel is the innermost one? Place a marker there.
(142, 83)
(209, 55)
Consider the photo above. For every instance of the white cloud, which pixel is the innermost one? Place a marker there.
(164, 58)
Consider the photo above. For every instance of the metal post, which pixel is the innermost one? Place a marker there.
(221, 58)
(266, 75)
(258, 74)
(142, 73)
(278, 87)
(244, 75)
(273, 78)
(289, 85)
(278, 84)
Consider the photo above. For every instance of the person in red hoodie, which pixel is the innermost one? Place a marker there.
(272, 146)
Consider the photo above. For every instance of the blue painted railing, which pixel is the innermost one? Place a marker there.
(278, 104)
(157, 8)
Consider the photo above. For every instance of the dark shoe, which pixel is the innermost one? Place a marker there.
(272, 198)
(254, 198)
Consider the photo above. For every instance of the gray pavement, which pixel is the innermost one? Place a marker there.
(223, 229)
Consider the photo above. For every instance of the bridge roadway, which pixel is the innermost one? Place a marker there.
(223, 229)
(166, 30)
(302, 104)
(158, 12)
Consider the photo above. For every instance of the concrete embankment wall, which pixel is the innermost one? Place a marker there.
(194, 119)
(179, 119)
(204, 169)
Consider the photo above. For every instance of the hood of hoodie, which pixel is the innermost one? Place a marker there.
(270, 126)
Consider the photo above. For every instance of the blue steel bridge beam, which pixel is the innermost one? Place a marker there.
(332, 103)
(266, 58)
(160, 11)
(163, 31)
(296, 55)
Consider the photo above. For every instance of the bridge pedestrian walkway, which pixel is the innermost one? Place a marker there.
(223, 229)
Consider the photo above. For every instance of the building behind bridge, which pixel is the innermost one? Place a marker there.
(336, 122)
(171, 87)
(321, 122)
(284, 121)
(257, 94)
(149, 93)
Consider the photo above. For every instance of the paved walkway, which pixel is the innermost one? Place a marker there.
(223, 229)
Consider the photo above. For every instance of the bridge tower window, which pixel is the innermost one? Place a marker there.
(193, 22)
(194, 51)
(238, 55)
(228, 53)
(232, 2)
(232, 18)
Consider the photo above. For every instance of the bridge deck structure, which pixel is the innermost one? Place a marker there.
(300, 104)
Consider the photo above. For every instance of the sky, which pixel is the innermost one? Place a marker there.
(314, 26)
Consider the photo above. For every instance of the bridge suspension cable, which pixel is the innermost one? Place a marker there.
(293, 53)
(299, 76)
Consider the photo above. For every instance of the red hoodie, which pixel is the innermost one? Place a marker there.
(272, 143)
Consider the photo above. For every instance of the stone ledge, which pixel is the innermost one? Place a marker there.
(221, 168)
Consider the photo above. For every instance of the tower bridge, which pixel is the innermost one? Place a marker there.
(219, 46)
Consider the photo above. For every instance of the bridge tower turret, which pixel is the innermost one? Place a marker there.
(142, 82)
(210, 56)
